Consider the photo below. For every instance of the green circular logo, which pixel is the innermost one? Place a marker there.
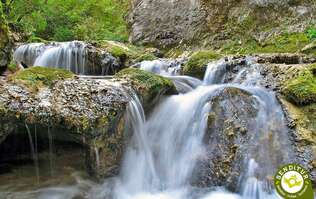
(292, 181)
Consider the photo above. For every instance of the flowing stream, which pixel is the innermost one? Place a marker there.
(167, 145)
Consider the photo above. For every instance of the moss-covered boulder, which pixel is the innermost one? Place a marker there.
(302, 89)
(197, 63)
(128, 54)
(5, 44)
(148, 86)
(37, 77)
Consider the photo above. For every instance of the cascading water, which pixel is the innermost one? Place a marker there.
(171, 69)
(67, 55)
(79, 57)
(166, 147)
(160, 160)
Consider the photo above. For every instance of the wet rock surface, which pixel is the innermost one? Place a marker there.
(88, 112)
(301, 118)
(228, 133)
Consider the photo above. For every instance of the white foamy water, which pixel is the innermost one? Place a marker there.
(166, 146)
(67, 55)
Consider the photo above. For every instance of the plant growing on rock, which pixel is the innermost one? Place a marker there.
(37, 77)
(196, 66)
(302, 89)
(148, 86)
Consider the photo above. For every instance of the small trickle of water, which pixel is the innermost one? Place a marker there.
(33, 152)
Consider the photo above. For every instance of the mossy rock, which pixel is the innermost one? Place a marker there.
(197, 63)
(126, 53)
(302, 89)
(145, 57)
(284, 43)
(37, 77)
(148, 86)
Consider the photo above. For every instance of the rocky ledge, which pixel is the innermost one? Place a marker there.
(88, 112)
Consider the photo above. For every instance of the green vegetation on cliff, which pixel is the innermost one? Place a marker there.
(36, 77)
(4, 40)
(285, 43)
(127, 53)
(197, 63)
(302, 89)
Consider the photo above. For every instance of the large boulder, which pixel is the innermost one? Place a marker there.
(90, 113)
(229, 129)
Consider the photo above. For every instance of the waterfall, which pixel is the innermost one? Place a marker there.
(66, 55)
(160, 159)
(79, 57)
(171, 69)
(166, 146)
(28, 53)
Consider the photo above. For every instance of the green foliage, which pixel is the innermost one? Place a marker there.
(36, 77)
(302, 89)
(196, 66)
(311, 32)
(12, 66)
(70, 20)
(146, 57)
(285, 43)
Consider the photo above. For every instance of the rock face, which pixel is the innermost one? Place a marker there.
(90, 113)
(212, 22)
(301, 118)
(5, 45)
(232, 113)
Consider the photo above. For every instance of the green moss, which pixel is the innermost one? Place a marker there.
(147, 84)
(36, 77)
(197, 63)
(285, 43)
(127, 53)
(146, 57)
(12, 67)
(302, 89)
(119, 52)
(4, 39)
